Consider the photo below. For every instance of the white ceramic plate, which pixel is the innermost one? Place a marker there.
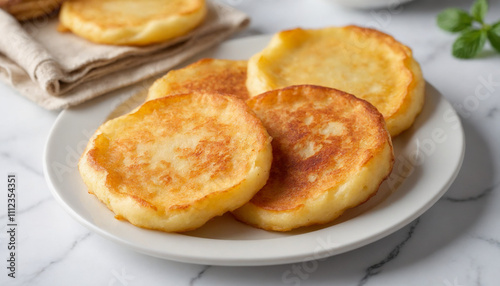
(428, 158)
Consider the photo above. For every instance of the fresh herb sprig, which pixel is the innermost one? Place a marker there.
(474, 32)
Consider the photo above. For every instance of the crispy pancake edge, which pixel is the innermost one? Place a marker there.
(208, 75)
(398, 121)
(180, 218)
(150, 32)
(319, 209)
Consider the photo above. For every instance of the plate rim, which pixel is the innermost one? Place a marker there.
(225, 260)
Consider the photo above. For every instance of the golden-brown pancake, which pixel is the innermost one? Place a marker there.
(128, 22)
(178, 161)
(208, 75)
(331, 151)
(364, 62)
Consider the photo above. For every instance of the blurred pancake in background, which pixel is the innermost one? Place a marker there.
(126, 22)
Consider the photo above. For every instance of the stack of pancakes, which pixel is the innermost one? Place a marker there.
(293, 137)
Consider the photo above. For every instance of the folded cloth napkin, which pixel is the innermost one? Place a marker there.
(57, 70)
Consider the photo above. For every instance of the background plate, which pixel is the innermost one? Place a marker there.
(428, 158)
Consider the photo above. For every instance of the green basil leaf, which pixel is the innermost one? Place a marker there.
(454, 20)
(494, 36)
(479, 10)
(469, 44)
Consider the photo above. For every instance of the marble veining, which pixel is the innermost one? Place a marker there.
(30, 207)
(490, 241)
(493, 112)
(60, 259)
(485, 192)
(377, 267)
(7, 157)
(200, 274)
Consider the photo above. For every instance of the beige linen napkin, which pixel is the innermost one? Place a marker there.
(57, 70)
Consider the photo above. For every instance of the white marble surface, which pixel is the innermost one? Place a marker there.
(456, 242)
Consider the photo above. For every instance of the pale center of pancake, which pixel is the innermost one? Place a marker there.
(319, 141)
(174, 151)
(310, 148)
(364, 67)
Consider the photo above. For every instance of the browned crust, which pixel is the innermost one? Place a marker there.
(288, 186)
(211, 155)
(210, 75)
(407, 101)
(407, 59)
